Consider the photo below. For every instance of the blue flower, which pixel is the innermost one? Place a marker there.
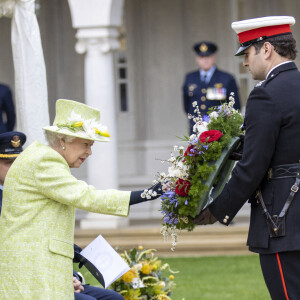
(206, 118)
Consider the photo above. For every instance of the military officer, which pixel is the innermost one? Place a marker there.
(11, 144)
(208, 85)
(269, 172)
(6, 108)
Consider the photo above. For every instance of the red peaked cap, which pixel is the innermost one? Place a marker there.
(254, 30)
(263, 31)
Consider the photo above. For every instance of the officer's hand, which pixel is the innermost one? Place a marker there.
(205, 217)
(238, 153)
(78, 288)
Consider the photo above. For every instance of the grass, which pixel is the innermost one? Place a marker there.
(215, 278)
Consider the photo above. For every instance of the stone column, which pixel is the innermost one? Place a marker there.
(97, 25)
(98, 44)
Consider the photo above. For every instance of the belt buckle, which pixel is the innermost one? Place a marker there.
(294, 188)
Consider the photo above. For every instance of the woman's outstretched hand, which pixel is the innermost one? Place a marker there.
(151, 193)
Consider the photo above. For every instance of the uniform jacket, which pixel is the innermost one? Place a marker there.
(210, 94)
(37, 224)
(272, 122)
(6, 107)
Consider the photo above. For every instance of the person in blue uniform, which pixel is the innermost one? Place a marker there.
(11, 145)
(209, 86)
(269, 172)
(6, 108)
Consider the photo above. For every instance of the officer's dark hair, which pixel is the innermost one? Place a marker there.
(284, 45)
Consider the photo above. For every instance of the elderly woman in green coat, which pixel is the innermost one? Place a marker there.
(39, 201)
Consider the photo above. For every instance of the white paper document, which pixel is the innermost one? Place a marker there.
(106, 259)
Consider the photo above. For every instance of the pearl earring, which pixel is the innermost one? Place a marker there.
(63, 147)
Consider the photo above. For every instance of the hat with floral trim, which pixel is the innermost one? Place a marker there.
(78, 120)
(11, 144)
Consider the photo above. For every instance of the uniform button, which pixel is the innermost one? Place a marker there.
(191, 94)
(203, 98)
(227, 217)
(225, 221)
(203, 91)
(203, 106)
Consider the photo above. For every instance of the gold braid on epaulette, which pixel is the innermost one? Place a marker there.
(8, 155)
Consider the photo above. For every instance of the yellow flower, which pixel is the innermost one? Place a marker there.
(129, 276)
(156, 265)
(140, 248)
(146, 268)
(102, 132)
(162, 297)
(77, 124)
(171, 277)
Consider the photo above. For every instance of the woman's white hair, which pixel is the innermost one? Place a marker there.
(53, 138)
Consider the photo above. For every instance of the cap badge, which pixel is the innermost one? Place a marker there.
(203, 48)
(15, 142)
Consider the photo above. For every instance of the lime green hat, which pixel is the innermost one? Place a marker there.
(78, 120)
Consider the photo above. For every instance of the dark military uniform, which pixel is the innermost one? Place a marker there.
(211, 91)
(11, 144)
(7, 108)
(210, 94)
(272, 123)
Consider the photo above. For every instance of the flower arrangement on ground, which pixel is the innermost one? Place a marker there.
(186, 188)
(148, 278)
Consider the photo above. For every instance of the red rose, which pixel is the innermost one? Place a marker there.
(210, 136)
(182, 187)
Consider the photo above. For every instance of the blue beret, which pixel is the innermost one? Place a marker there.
(11, 144)
(205, 48)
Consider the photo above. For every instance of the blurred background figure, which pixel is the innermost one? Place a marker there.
(7, 110)
(208, 85)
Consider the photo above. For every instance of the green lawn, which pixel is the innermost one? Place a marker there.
(217, 278)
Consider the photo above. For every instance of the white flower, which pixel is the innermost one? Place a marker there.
(175, 148)
(171, 159)
(214, 115)
(194, 103)
(174, 172)
(89, 127)
(138, 267)
(200, 127)
(192, 137)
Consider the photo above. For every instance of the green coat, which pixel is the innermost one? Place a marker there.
(37, 224)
